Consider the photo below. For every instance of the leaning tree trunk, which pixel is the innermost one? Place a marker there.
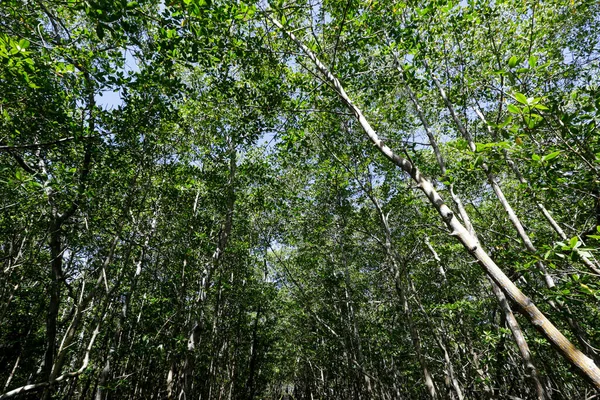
(583, 364)
(505, 307)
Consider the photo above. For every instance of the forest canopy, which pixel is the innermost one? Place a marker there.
(290, 199)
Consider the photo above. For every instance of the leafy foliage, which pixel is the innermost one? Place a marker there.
(220, 227)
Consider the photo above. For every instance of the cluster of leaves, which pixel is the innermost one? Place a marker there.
(222, 228)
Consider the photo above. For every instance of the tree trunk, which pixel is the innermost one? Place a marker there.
(574, 356)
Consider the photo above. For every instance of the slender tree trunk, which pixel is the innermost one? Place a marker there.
(52, 316)
(510, 318)
(519, 338)
(416, 340)
(575, 357)
(584, 258)
(438, 336)
(414, 334)
(253, 356)
(223, 239)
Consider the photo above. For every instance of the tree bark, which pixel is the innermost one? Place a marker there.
(574, 356)
(505, 307)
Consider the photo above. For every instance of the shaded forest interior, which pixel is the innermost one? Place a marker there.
(299, 199)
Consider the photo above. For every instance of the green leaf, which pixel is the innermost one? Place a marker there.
(535, 157)
(573, 242)
(512, 61)
(532, 61)
(520, 97)
(486, 146)
(551, 156)
(586, 288)
(23, 44)
(513, 109)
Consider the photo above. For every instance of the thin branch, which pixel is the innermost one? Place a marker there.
(339, 33)
(38, 145)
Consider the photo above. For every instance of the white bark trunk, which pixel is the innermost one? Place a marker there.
(583, 364)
